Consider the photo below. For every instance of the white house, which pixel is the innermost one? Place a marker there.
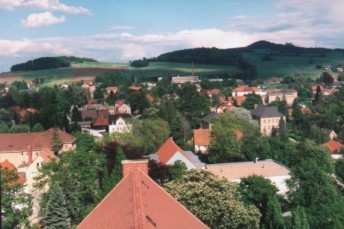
(118, 124)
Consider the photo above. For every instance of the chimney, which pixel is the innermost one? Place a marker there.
(29, 153)
(130, 165)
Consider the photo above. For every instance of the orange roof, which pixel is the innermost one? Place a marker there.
(168, 149)
(306, 110)
(91, 101)
(10, 167)
(239, 100)
(333, 145)
(244, 88)
(213, 91)
(109, 89)
(38, 140)
(120, 101)
(238, 170)
(134, 88)
(202, 137)
(138, 202)
(48, 155)
(150, 98)
(101, 121)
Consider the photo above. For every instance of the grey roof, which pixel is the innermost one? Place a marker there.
(209, 117)
(265, 112)
(194, 159)
(113, 118)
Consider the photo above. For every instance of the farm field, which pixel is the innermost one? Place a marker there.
(283, 66)
(157, 69)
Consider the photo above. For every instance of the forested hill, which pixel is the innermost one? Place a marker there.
(286, 48)
(201, 56)
(48, 63)
(212, 56)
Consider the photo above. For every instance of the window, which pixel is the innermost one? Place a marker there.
(37, 164)
(37, 154)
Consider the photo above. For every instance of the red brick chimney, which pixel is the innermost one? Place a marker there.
(29, 153)
(130, 165)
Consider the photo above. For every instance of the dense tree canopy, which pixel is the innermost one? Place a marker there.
(213, 200)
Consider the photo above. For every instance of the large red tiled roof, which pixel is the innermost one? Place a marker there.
(333, 145)
(10, 167)
(138, 202)
(38, 141)
(202, 137)
(168, 149)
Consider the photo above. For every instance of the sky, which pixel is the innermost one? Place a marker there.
(123, 30)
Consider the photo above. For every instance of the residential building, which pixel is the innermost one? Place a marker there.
(267, 118)
(121, 107)
(288, 95)
(207, 120)
(111, 89)
(10, 167)
(270, 169)
(273, 80)
(184, 79)
(113, 123)
(170, 152)
(118, 124)
(201, 140)
(138, 202)
(16, 147)
(31, 168)
(335, 147)
(246, 90)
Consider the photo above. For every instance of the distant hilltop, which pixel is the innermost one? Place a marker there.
(49, 62)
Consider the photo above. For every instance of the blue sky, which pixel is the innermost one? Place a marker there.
(122, 30)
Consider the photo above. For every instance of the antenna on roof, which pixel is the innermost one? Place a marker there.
(256, 159)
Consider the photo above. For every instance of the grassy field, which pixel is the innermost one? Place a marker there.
(157, 69)
(283, 66)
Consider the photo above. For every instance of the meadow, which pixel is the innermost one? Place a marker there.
(286, 65)
(302, 65)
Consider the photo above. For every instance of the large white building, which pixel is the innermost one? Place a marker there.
(270, 169)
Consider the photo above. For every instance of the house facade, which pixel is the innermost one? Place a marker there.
(288, 95)
(267, 118)
(246, 90)
(16, 147)
(184, 79)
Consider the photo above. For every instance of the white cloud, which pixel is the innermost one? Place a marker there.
(120, 27)
(49, 5)
(42, 19)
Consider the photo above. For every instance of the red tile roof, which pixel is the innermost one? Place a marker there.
(138, 202)
(202, 137)
(38, 141)
(10, 167)
(333, 145)
(101, 121)
(244, 88)
(134, 88)
(48, 155)
(239, 100)
(120, 101)
(150, 98)
(168, 149)
(213, 92)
